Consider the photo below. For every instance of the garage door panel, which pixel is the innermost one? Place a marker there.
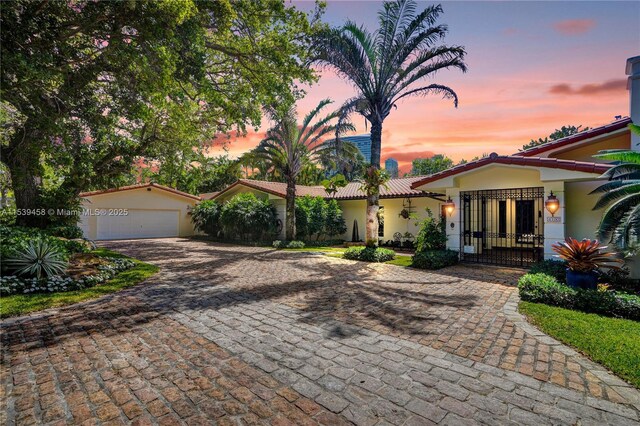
(139, 224)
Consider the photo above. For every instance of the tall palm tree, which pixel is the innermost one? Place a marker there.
(288, 148)
(387, 65)
(620, 221)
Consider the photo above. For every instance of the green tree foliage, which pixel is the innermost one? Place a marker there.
(245, 217)
(91, 86)
(388, 65)
(206, 216)
(334, 223)
(319, 218)
(429, 166)
(560, 133)
(289, 148)
(195, 172)
(432, 234)
(620, 197)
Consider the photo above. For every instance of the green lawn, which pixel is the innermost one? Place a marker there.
(20, 304)
(612, 342)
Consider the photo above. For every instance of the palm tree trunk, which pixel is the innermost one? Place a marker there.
(291, 210)
(373, 201)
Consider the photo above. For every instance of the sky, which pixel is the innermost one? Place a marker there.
(533, 67)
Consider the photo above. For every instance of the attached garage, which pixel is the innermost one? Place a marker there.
(137, 211)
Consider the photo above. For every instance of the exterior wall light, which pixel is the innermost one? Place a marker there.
(552, 204)
(449, 206)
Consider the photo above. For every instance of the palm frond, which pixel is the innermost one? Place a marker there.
(622, 155)
(622, 169)
(446, 92)
(630, 188)
(612, 216)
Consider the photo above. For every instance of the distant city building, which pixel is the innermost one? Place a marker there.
(363, 143)
(391, 166)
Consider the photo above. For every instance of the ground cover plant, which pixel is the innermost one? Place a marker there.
(369, 254)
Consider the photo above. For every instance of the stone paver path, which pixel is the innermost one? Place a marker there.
(239, 335)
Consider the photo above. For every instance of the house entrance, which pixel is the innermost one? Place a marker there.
(503, 226)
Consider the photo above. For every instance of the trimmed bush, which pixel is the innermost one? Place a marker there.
(65, 231)
(295, 244)
(319, 218)
(434, 259)
(369, 254)
(205, 217)
(555, 268)
(542, 288)
(432, 234)
(245, 217)
(278, 244)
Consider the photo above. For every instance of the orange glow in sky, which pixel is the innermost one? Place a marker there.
(533, 67)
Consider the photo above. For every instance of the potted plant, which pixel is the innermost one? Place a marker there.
(584, 259)
(404, 213)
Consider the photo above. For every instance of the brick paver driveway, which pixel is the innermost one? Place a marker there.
(238, 335)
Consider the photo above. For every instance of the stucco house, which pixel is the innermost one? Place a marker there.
(138, 211)
(499, 215)
(397, 197)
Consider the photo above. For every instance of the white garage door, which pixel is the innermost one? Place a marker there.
(138, 224)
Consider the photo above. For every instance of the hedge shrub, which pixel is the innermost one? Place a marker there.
(246, 217)
(318, 218)
(542, 288)
(205, 217)
(369, 254)
(555, 268)
(434, 259)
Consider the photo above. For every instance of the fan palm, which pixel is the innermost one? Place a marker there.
(620, 221)
(387, 65)
(288, 148)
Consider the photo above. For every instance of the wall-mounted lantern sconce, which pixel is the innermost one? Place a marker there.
(449, 206)
(552, 204)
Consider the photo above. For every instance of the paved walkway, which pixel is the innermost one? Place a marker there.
(238, 335)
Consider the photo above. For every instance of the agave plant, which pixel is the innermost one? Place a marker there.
(39, 259)
(620, 221)
(586, 255)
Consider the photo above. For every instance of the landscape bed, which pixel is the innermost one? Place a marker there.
(117, 279)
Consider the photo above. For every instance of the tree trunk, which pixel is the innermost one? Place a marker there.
(23, 165)
(373, 201)
(291, 210)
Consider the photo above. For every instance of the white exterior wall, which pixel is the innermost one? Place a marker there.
(357, 210)
(138, 199)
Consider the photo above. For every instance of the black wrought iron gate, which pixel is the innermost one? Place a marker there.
(503, 226)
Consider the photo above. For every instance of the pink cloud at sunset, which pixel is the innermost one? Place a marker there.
(574, 26)
(617, 85)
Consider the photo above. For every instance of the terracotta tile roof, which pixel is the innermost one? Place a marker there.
(209, 195)
(398, 188)
(588, 134)
(138, 186)
(278, 189)
(555, 163)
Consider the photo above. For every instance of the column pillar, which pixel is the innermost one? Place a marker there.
(554, 226)
(453, 233)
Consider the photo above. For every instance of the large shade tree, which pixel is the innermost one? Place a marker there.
(387, 65)
(289, 148)
(87, 87)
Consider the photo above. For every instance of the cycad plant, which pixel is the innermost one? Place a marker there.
(620, 221)
(289, 148)
(38, 259)
(389, 64)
